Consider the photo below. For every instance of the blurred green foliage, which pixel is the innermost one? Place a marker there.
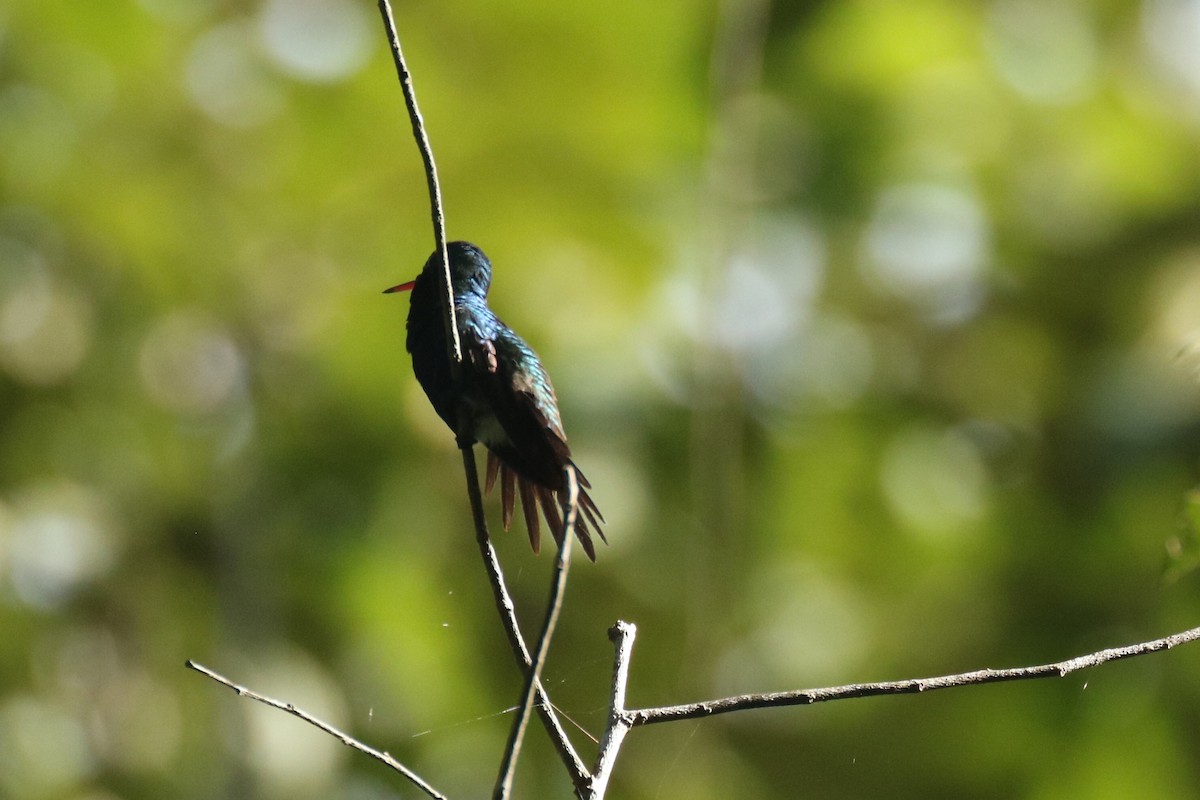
(874, 325)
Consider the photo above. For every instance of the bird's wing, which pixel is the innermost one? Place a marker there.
(519, 394)
(521, 370)
(518, 391)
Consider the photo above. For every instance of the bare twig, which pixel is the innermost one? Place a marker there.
(621, 720)
(533, 674)
(345, 738)
(504, 603)
(508, 614)
(622, 635)
(1059, 669)
(453, 347)
(553, 605)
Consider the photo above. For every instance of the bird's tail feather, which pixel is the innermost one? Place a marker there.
(529, 506)
(507, 484)
(587, 517)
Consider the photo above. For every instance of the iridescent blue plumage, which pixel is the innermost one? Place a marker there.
(505, 390)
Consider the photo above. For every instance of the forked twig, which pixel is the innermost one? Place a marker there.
(621, 720)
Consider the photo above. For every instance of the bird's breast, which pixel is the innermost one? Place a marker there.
(486, 426)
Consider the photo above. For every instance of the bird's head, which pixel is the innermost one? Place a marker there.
(470, 270)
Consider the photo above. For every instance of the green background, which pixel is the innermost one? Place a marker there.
(874, 325)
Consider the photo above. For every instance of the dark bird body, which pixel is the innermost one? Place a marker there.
(505, 390)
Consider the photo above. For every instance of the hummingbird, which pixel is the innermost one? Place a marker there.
(504, 390)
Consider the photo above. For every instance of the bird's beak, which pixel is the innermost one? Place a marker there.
(401, 287)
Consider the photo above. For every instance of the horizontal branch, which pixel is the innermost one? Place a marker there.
(345, 738)
(708, 708)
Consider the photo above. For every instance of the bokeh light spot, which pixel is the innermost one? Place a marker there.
(316, 40)
(768, 289)
(1176, 308)
(58, 538)
(829, 360)
(190, 364)
(43, 749)
(45, 332)
(813, 624)
(934, 481)
(226, 80)
(928, 243)
(1172, 32)
(1044, 50)
(287, 757)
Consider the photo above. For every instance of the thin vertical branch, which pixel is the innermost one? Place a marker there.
(533, 675)
(570, 513)
(504, 603)
(508, 614)
(453, 346)
(622, 635)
